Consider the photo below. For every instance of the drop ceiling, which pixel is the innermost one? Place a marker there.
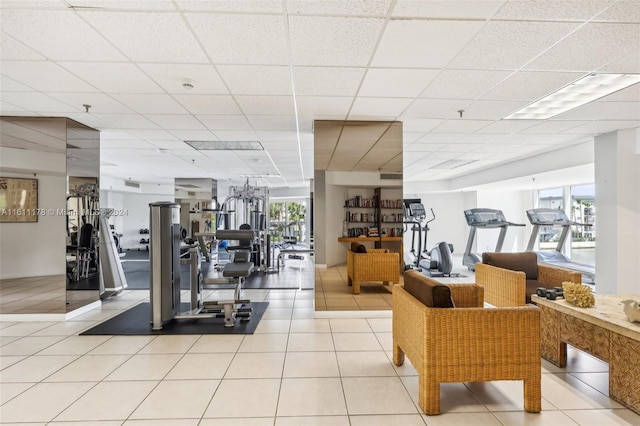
(266, 70)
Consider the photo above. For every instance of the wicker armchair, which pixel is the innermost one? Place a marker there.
(509, 279)
(467, 343)
(374, 265)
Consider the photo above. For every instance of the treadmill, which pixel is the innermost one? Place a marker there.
(484, 219)
(556, 218)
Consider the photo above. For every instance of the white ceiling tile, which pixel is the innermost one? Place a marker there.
(155, 5)
(444, 9)
(269, 105)
(262, 6)
(279, 145)
(420, 43)
(115, 134)
(590, 47)
(553, 126)
(621, 11)
(491, 110)
(151, 104)
(126, 121)
(257, 79)
(422, 147)
(167, 144)
(463, 84)
(231, 135)
(441, 137)
(327, 81)
(485, 138)
(335, 41)
(552, 10)
(531, 86)
(385, 108)
(37, 102)
(145, 135)
(241, 39)
(11, 49)
(78, 40)
(10, 85)
(460, 125)
(396, 83)
(8, 109)
(108, 77)
(627, 64)
(602, 111)
(419, 125)
(272, 122)
(435, 108)
(509, 44)
(176, 121)
(209, 104)
(458, 147)
(193, 135)
(35, 4)
(148, 37)
(100, 103)
(44, 76)
(171, 77)
(339, 7)
(507, 126)
(604, 126)
(224, 122)
(337, 107)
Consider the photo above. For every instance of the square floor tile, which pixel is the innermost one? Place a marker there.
(74, 345)
(158, 422)
(170, 344)
(42, 402)
(310, 342)
(177, 399)
(273, 326)
(217, 343)
(66, 328)
(35, 368)
(313, 421)
(25, 328)
(201, 366)
(545, 417)
(264, 343)
(317, 325)
(568, 393)
(145, 367)
(256, 365)
(311, 397)
(476, 419)
(356, 342)
(388, 420)
(30, 345)
(89, 368)
(377, 395)
(120, 345)
(11, 390)
(108, 401)
(364, 364)
(311, 364)
(232, 397)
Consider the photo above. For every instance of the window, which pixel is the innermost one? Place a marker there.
(583, 237)
(287, 220)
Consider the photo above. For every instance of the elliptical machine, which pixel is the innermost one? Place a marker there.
(436, 262)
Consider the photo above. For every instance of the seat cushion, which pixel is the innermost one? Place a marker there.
(358, 248)
(430, 292)
(526, 262)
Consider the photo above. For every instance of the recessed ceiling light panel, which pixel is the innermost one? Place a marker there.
(226, 145)
(582, 91)
(452, 164)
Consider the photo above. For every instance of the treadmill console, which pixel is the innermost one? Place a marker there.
(486, 218)
(548, 217)
(417, 210)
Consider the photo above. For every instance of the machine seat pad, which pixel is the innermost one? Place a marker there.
(236, 270)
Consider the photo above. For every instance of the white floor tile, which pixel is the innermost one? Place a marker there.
(388, 420)
(475, 419)
(89, 368)
(377, 395)
(212, 343)
(201, 366)
(386, 340)
(108, 401)
(175, 344)
(6, 361)
(165, 422)
(74, 345)
(29, 345)
(35, 368)
(25, 328)
(349, 325)
(313, 421)
(121, 345)
(543, 418)
(311, 397)
(249, 421)
(310, 342)
(318, 325)
(406, 369)
(66, 328)
(264, 343)
(42, 402)
(175, 399)
(604, 417)
(568, 393)
(11, 390)
(145, 367)
(256, 365)
(86, 423)
(356, 342)
(278, 313)
(273, 326)
(311, 364)
(364, 364)
(598, 381)
(244, 398)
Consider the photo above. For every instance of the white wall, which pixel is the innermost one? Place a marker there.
(36, 249)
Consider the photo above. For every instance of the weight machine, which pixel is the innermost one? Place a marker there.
(83, 216)
(437, 262)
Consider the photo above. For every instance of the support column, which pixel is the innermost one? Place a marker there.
(617, 178)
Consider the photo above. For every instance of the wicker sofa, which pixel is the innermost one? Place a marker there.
(366, 265)
(465, 343)
(509, 279)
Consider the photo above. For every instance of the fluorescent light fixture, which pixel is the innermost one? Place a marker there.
(452, 164)
(580, 92)
(226, 145)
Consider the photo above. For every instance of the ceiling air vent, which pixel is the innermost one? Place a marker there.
(391, 176)
(132, 184)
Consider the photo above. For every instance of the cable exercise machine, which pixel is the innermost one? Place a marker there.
(437, 261)
(556, 218)
(484, 219)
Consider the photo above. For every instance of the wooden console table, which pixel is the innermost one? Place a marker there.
(604, 332)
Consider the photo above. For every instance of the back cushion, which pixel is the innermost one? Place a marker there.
(430, 292)
(358, 248)
(526, 262)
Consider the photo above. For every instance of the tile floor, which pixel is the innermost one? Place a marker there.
(295, 370)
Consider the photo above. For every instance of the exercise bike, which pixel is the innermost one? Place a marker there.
(437, 261)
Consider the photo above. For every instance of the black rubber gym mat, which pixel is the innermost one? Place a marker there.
(137, 321)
